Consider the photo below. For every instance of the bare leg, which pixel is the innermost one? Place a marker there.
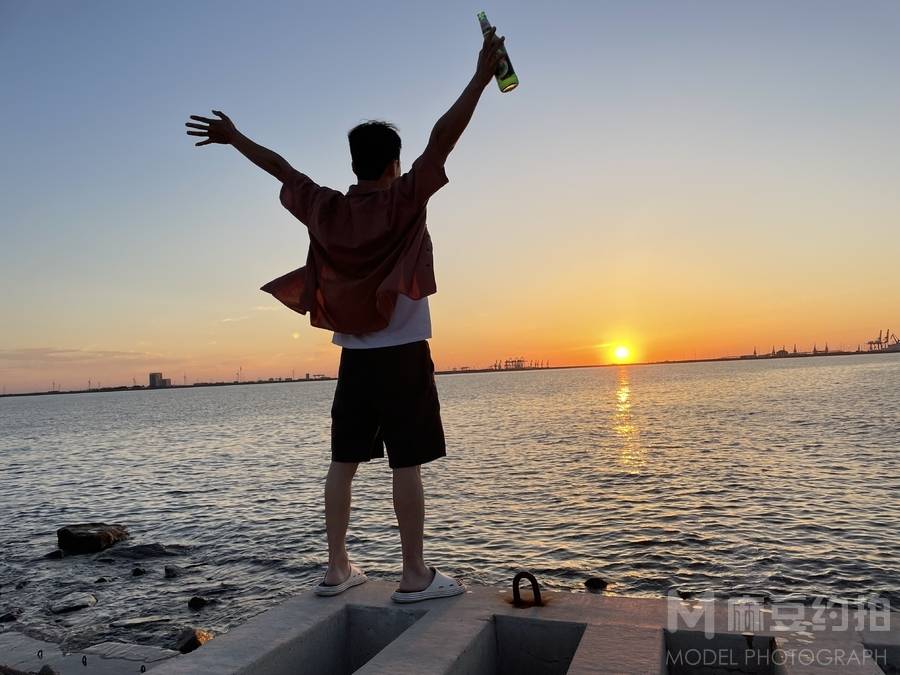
(409, 506)
(337, 518)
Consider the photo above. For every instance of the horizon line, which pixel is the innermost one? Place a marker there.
(469, 371)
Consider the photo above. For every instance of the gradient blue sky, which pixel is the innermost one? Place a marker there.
(690, 178)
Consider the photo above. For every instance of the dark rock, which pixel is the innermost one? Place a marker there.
(138, 572)
(101, 580)
(89, 537)
(197, 602)
(10, 616)
(56, 555)
(172, 571)
(595, 584)
(73, 601)
(685, 595)
(45, 670)
(191, 638)
(141, 551)
(21, 585)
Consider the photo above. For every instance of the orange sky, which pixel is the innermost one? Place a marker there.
(704, 182)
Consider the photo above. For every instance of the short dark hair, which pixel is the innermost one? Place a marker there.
(373, 146)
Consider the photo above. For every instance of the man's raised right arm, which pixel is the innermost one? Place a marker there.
(452, 123)
(223, 131)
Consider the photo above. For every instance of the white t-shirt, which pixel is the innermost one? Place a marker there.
(411, 322)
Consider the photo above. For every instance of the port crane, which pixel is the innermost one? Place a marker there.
(885, 342)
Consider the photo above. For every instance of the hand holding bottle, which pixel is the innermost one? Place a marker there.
(495, 51)
(489, 56)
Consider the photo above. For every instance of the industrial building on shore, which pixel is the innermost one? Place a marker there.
(157, 381)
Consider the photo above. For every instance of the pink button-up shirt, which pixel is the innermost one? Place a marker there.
(365, 248)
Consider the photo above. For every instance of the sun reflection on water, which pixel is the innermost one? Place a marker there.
(631, 453)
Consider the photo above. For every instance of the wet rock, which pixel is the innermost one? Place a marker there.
(45, 670)
(21, 585)
(595, 584)
(172, 571)
(138, 572)
(89, 537)
(139, 621)
(73, 601)
(198, 602)
(102, 580)
(129, 652)
(56, 555)
(191, 638)
(12, 615)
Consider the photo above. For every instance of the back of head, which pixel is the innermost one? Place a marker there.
(374, 145)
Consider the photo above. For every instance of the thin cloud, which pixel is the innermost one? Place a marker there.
(27, 356)
(233, 319)
(581, 348)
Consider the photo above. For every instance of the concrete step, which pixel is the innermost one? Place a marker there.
(481, 633)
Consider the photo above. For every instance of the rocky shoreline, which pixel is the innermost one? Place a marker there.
(105, 547)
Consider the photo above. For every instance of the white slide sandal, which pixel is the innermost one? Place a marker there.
(356, 578)
(441, 586)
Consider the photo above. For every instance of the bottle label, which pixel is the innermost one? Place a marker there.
(504, 67)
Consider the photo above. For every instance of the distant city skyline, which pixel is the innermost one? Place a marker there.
(620, 357)
(684, 180)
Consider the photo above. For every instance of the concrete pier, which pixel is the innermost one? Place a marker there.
(481, 632)
(25, 654)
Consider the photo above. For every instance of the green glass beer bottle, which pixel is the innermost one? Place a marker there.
(507, 79)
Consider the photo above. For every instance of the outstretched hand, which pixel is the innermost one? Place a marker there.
(216, 131)
(490, 55)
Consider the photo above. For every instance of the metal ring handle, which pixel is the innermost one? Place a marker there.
(535, 589)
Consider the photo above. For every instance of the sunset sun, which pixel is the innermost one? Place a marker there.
(621, 353)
